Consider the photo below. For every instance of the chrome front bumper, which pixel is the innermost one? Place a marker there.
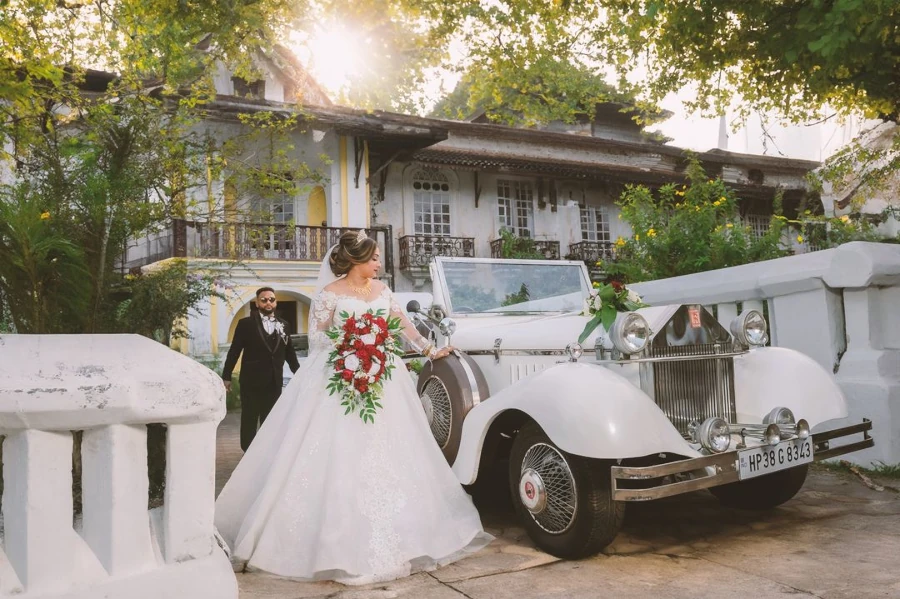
(675, 478)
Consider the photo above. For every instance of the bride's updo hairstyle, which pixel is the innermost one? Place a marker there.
(352, 248)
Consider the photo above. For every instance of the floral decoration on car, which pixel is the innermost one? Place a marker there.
(361, 360)
(605, 302)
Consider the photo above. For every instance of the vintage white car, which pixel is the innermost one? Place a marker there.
(668, 402)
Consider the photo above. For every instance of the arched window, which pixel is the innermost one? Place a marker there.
(431, 203)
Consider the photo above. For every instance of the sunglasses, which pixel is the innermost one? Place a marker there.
(265, 300)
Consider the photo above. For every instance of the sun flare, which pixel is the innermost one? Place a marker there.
(334, 54)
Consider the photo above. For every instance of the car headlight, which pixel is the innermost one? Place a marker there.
(714, 435)
(779, 416)
(749, 329)
(630, 333)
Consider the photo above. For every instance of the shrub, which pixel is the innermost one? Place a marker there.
(689, 228)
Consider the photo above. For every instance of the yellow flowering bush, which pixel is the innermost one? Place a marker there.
(688, 228)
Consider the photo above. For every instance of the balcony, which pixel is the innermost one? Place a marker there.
(548, 249)
(416, 251)
(592, 251)
(241, 241)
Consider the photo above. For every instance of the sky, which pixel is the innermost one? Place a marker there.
(332, 59)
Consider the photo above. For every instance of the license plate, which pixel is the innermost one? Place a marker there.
(772, 458)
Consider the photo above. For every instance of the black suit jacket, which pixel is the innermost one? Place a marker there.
(264, 354)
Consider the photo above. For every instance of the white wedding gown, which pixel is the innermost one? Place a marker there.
(323, 495)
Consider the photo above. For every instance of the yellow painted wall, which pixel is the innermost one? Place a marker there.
(316, 212)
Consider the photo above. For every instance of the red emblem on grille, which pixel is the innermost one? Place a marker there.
(695, 317)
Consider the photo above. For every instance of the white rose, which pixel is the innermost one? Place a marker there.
(368, 339)
(351, 362)
(586, 309)
(598, 303)
(633, 297)
(373, 369)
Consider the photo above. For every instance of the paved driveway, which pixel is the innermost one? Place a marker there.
(836, 539)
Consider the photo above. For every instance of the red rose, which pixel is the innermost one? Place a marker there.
(339, 364)
(358, 344)
(364, 386)
(350, 324)
(617, 285)
(347, 375)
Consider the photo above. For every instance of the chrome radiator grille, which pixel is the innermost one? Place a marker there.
(691, 389)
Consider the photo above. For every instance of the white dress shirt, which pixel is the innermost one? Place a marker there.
(268, 324)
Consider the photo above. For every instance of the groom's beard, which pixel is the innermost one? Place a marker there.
(267, 311)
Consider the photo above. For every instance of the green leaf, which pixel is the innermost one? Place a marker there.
(589, 328)
(608, 316)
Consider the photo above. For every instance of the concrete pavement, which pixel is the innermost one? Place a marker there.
(837, 539)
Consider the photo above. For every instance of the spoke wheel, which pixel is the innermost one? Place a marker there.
(564, 501)
(547, 488)
(438, 409)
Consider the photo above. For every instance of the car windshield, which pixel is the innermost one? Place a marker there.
(514, 286)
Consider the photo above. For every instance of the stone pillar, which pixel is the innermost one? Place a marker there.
(37, 508)
(114, 490)
(190, 491)
(869, 372)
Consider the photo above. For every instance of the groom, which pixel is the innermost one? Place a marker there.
(264, 340)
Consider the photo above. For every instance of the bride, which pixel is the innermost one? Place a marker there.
(323, 495)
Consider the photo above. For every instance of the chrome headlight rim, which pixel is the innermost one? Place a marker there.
(780, 415)
(741, 327)
(617, 333)
(714, 435)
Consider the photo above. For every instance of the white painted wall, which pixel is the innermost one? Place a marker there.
(110, 387)
(481, 222)
(838, 306)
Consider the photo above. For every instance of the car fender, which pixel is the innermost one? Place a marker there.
(586, 410)
(770, 377)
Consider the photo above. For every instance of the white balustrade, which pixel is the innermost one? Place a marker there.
(110, 387)
(839, 306)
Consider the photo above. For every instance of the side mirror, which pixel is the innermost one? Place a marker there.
(413, 307)
(447, 327)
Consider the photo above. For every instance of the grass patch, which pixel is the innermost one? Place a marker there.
(879, 469)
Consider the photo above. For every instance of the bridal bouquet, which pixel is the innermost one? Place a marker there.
(360, 361)
(604, 303)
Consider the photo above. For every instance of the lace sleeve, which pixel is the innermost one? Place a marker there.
(321, 317)
(409, 332)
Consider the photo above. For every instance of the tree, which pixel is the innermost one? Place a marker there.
(794, 58)
(109, 156)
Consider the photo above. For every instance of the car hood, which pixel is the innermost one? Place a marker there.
(543, 331)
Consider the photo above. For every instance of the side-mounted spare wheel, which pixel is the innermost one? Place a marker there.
(564, 501)
(448, 389)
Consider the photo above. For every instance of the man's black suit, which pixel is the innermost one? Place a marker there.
(261, 370)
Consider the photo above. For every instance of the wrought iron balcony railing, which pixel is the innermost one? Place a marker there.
(592, 252)
(549, 249)
(248, 241)
(416, 251)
